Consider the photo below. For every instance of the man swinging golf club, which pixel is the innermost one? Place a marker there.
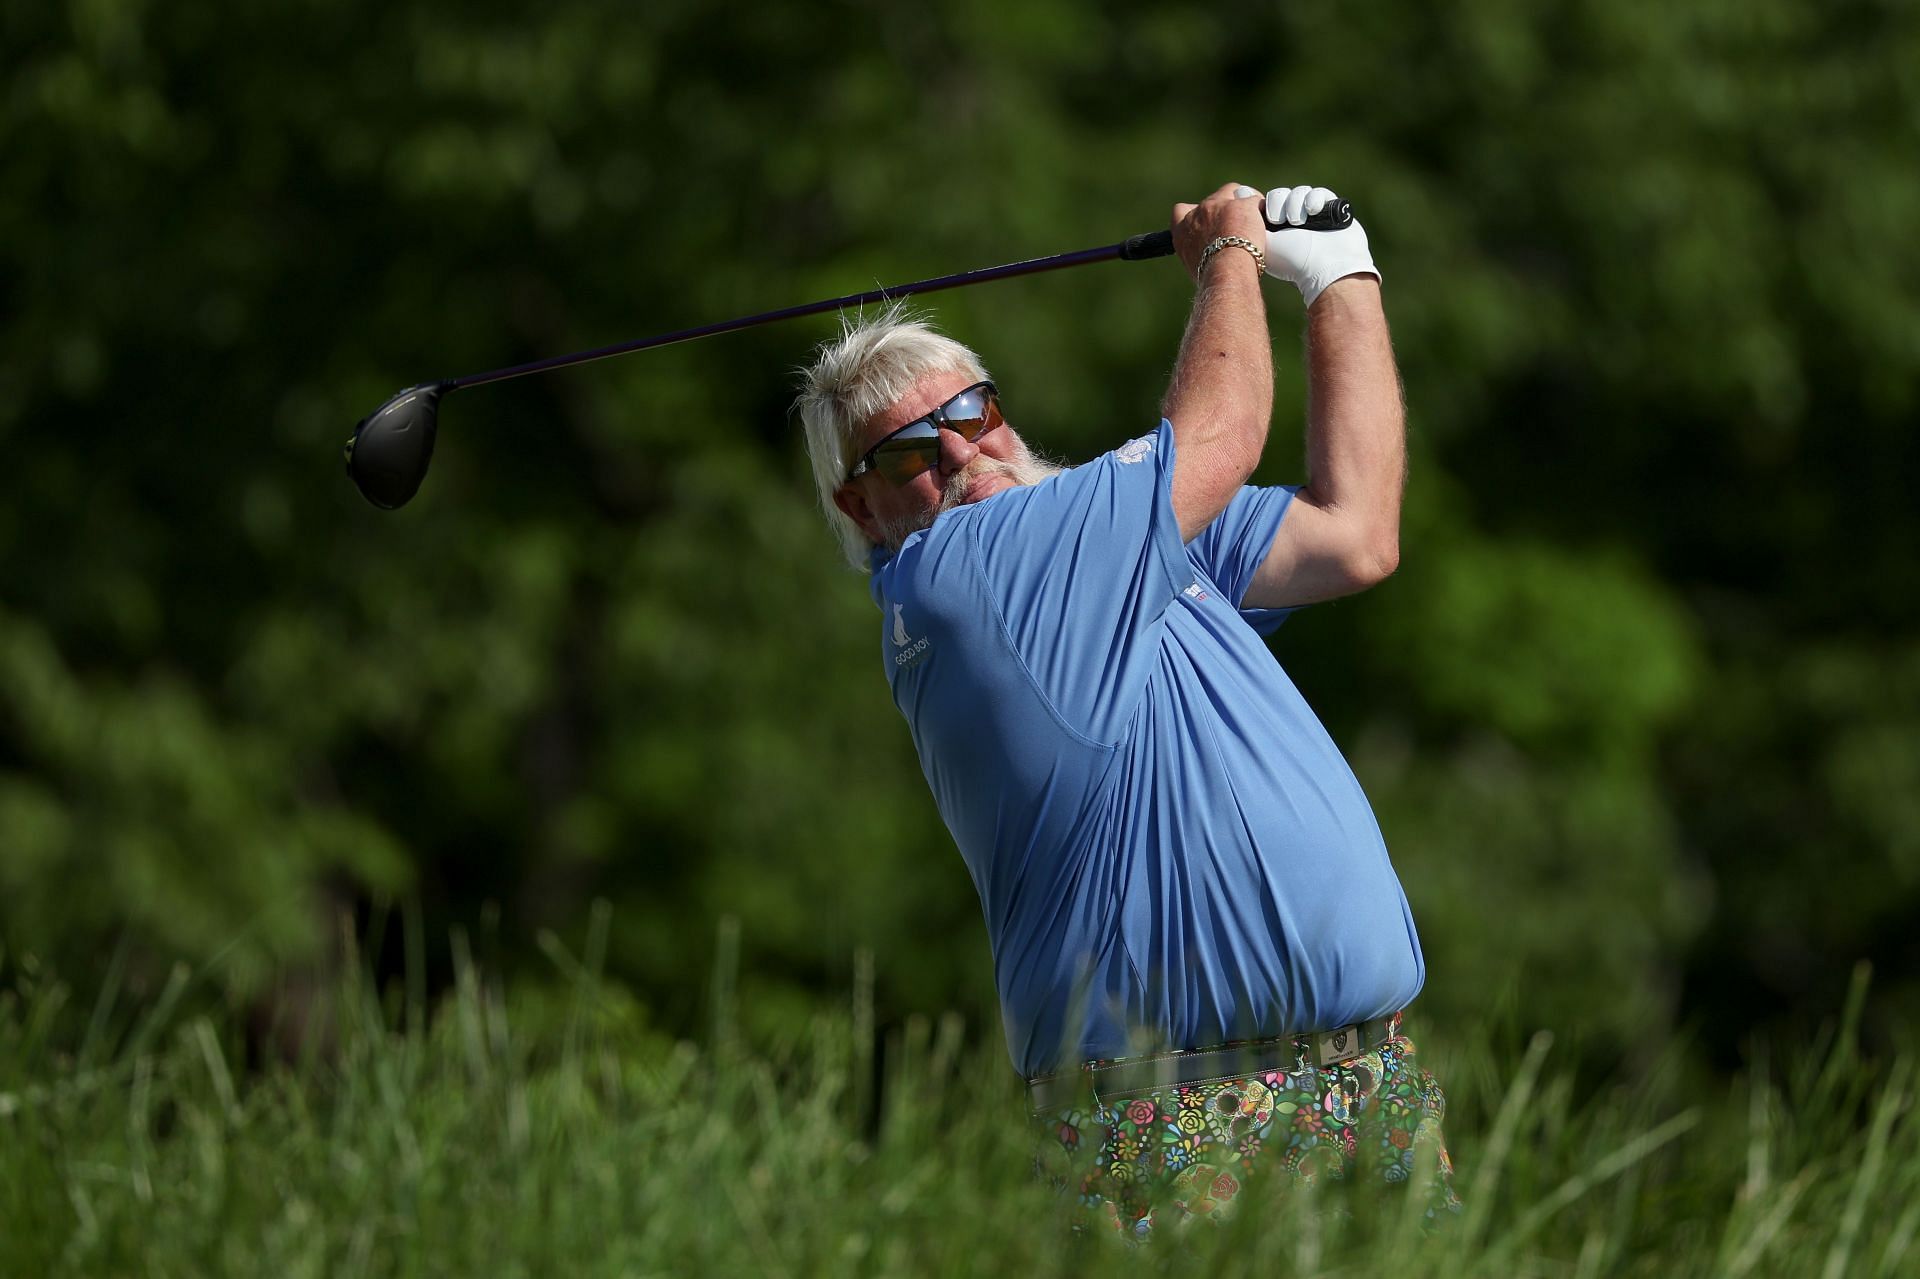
(1201, 947)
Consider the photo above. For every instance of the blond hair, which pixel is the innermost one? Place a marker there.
(862, 373)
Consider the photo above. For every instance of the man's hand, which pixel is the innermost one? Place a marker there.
(1232, 210)
(1310, 260)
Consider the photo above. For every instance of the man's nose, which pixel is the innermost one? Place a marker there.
(956, 450)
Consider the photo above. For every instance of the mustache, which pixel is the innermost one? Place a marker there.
(1023, 471)
(959, 482)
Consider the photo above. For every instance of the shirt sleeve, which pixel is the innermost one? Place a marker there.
(1231, 549)
(1082, 568)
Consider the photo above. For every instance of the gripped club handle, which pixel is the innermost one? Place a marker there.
(1337, 215)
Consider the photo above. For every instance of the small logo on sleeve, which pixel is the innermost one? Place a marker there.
(1196, 593)
(1133, 451)
(908, 650)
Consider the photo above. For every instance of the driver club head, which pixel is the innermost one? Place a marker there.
(388, 454)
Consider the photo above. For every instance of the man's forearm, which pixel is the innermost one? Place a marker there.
(1221, 396)
(1356, 418)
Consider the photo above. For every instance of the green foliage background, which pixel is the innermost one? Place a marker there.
(1640, 713)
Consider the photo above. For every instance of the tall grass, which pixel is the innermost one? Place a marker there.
(543, 1133)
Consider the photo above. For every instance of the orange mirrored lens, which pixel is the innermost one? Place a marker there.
(915, 447)
(903, 457)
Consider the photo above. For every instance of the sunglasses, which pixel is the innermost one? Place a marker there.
(915, 447)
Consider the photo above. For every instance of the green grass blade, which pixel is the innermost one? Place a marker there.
(1893, 1101)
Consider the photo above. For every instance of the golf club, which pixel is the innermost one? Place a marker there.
(388, 455)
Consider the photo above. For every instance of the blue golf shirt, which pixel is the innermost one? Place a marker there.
(1169, 849)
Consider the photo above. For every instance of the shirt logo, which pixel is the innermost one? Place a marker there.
(1133, 451)
(1195, 593)
(909, 651)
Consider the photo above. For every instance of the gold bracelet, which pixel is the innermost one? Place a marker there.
(1238, 242)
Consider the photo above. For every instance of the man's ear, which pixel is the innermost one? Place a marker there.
(854, 506)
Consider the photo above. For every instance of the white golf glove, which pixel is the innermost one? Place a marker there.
(1310, 260)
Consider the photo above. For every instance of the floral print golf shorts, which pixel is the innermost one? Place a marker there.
(1187, 1151)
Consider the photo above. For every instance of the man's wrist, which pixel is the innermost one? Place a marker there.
(1230, 273)
(1226, 245)
(1358, 287)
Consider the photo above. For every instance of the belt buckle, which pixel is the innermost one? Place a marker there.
(1335, 1046)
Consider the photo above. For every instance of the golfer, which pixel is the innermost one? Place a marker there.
(1201, 948)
